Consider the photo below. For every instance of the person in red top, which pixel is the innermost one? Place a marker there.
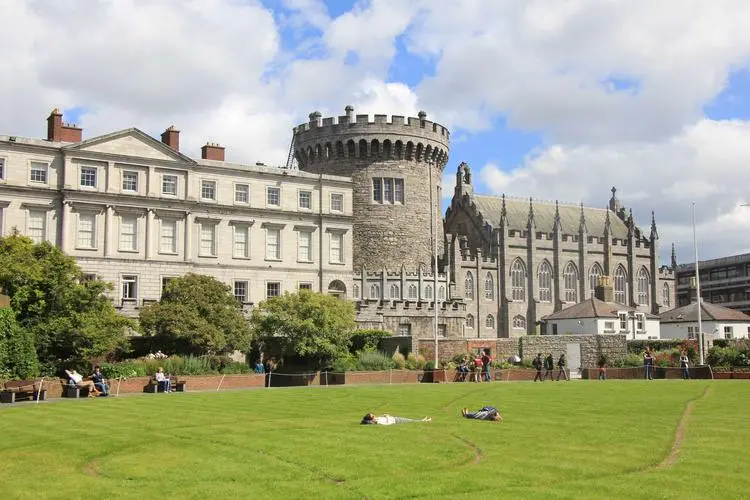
(478, 368)
(486, 360)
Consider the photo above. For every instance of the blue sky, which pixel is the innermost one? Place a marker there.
(548, 99)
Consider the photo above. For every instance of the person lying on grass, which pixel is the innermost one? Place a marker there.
(484, 413)
(386, 419)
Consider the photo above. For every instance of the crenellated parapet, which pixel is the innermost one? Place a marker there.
(381, 138)
(666, 273)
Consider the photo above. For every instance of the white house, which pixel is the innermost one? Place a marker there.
(601, 315)
(718, 322)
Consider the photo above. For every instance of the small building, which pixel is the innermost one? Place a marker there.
(600, 315)
(718, 322)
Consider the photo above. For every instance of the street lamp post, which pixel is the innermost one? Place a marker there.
(698, 290)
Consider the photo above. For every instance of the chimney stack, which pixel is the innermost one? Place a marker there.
(212, 151)
(604, 290)
(57, 131)
(171, 137)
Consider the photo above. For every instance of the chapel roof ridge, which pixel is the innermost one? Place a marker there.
(541, 201)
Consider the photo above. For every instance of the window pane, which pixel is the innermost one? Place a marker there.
(130, 181)
(208, 190)
(305, 243)
(85, 231)
(388, 190)
(168, 243)
(207, 246)
(377, 189)
(2, 168)
(128, 237)
(272, 243)
(240, 291)
(241, 193)
(38, 172)
(169, 184)
(399, 188)
(129, 287)
(305, 199)
(337, 248)
(273, 196)
(273, 289)
(241, 239)
(88, 177)
(337, 202)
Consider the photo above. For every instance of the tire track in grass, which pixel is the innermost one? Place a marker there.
(679, 433)
(476, 451)
(462, 396)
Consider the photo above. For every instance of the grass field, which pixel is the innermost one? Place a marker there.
(563, 440)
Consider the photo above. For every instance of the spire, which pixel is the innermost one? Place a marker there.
(631, 225)
(503, 214)
(674, 258)
(582, 223)
(531, 220)
(654, 232)
(607, 224)
(558, 223)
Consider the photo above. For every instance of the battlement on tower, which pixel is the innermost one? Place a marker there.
(376, 138)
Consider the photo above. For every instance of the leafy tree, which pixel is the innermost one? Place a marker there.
(311, 325)
(368, 339)
(17, 354)
(69, 320)
(196, 315)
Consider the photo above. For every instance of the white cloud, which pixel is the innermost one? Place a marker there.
(706, 163)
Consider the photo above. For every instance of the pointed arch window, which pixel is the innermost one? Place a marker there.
(469, 285)
(441, 293)
(489, 321)
(570, 280)
(413, 291)
(375, 291)
(621, 285)
(667, 295)
(489, 287)
(518, 280)
(395, 292)
(643, 285)
(355, 291)
(519, 322)
(428, 292)
(594, 273)
(545, 282)
(469, 321)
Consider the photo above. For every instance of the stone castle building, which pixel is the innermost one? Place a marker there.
(359, 219)
(515, 261)
(136, 211)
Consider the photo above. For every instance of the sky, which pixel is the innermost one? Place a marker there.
(553, 99)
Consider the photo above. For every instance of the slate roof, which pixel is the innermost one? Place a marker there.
(709, 312)
(593, 308)
(517, 210)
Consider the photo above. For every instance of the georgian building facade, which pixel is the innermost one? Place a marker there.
(515, 261)
(136, 211)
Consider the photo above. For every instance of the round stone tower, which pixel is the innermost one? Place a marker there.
(396, 167)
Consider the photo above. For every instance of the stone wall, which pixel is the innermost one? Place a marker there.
(592, 346)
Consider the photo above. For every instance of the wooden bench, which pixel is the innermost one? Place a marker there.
(70, 390)
(153, 387)
(22, 390)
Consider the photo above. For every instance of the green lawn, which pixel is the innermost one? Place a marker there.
(583, 439)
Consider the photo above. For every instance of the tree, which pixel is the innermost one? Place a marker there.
(311, 325)
(68, 319)
(196, 315)
(17, 354)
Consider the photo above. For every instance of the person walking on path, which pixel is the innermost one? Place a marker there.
(537, 363)
(648, 364)
(549, 366)
(561, 367)
(685, 365)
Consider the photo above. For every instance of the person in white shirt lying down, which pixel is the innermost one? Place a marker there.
(386, 419)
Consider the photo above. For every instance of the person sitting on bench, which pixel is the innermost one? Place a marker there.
(99, 381)
(485, 413)
(163, 380)
(371, 419)
(78, 381)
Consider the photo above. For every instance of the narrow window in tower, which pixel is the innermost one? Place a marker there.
(399, 190)
(377, 189)
(388, 190)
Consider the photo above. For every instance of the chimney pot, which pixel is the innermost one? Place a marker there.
(171, 137)
(604, 290)
(57, 131)
(212, 151)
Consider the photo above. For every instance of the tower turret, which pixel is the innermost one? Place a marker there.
(396, 166)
